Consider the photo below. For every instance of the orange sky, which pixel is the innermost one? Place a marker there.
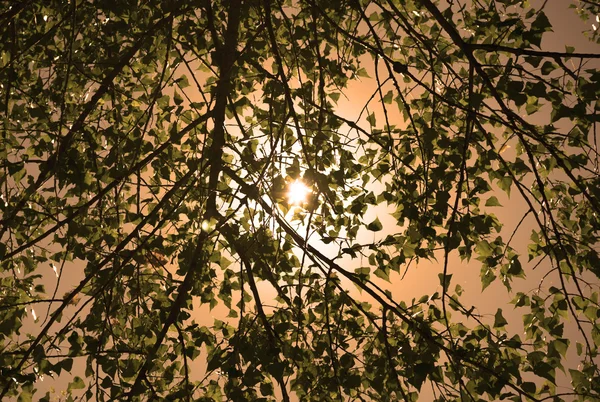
(422, 279)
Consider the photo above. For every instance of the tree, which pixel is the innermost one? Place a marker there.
(147, 151)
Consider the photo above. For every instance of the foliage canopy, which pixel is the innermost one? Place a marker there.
(147, 148)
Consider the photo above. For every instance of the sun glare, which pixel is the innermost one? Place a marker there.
(297, 193)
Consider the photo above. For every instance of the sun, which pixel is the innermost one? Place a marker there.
(297, 193)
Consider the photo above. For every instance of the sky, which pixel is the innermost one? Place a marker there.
(422, 279)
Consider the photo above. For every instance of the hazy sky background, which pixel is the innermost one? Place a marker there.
(419, 280)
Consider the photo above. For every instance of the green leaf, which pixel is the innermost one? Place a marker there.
(578, 380)
(177, 98)
(532, 105)
(77, 383)
(362, 72)
(499, 320)
(420, 373)
(546, 371)
(382, 273)
(445, 281)
(25, 396)
(542, 23)
(561, 346)
(548, 67)
(484, 249)
(515, 267)
(347, 360)
(505, 184)
(389, 96)
(371, 119)
(215, 361)
(493, 202)
(266, 389)
(363, 271)
(352, 381)
(375, 226)
(529, 387)
(487, 277)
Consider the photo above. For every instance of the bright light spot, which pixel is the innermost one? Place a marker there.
(297, 193)
(205, 226)
(55, 270)
(45, 18)
(34, 315)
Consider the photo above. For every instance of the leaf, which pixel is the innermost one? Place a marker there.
(545, 370)
(499, 320)
(177, 98)
(352, 381)
(445, 281)
(542, 23)
(163, 101)
(215, 361)
(505, 183)
(515, 267)
(25, 396)
(561, 346)
(266, 389)
(363, 272)
(388, 97)
(484, 249)
(529, 387)
(375, 226)
(371, 119)
(400, 68)
(421, 371)
(183, 82)
(493, 202)
(487, 277)
(548, 67)
(532, 105)
(77, 383)
(578, 380)
(382, 273)
(362, 73)
(347, 360)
